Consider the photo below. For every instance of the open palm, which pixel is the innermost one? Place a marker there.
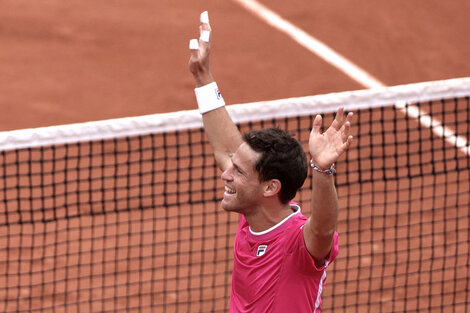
(325, 148)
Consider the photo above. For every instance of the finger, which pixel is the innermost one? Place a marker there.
(347, 138)
(345, 131)
(205, 28)
(194, 48)
(339, 119)
(205, 36)
(339, 113)
(347, 126)
(349, 117)
(347, 144)
(317, 122)
(194, 45)
(204, 17)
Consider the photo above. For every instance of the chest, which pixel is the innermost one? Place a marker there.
(261, 257)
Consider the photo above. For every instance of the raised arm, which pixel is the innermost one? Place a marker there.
(325, 149)
(222, 133)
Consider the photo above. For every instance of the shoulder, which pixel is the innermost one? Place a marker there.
(298, 220)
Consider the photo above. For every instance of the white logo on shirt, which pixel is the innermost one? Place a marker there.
(261, 250)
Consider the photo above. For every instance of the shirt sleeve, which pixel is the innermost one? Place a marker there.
(305, 261)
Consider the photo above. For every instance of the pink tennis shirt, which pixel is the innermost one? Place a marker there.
(273, 270)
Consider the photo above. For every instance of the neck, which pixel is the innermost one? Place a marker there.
(266, 217)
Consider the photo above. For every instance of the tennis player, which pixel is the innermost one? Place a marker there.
(280, 256)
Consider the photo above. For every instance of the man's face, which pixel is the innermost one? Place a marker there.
(243, 190)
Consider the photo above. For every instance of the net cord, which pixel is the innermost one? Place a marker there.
(189, 119)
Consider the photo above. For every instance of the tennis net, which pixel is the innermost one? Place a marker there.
(124, 216)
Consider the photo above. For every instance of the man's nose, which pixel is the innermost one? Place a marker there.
(226, 174)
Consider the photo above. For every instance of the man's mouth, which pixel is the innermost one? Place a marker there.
(229, 190)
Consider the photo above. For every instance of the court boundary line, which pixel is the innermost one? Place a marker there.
(311, 43)
(347, 67)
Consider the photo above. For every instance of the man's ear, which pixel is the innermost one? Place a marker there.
(271, 187)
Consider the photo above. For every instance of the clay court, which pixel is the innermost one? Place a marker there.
(76, 61)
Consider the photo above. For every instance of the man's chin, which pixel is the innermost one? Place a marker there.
(226, 206)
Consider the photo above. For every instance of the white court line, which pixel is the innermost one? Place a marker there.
(310, 43)
(347, 67)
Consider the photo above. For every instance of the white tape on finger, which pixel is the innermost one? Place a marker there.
(204, 18)
(205, 35)
(193, 44)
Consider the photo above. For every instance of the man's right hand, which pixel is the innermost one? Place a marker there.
(200, 52)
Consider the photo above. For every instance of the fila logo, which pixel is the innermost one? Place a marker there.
(218, 94)
(261, 250)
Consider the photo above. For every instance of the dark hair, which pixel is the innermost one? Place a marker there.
(282, 158)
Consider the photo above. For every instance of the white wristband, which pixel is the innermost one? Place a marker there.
(209, 98)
